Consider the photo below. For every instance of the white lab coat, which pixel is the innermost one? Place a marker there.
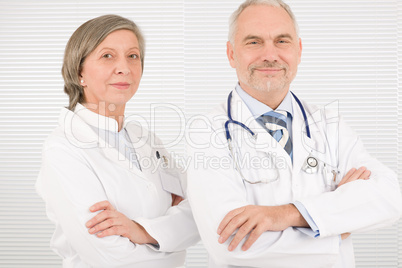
(80, 169)
(215, 188)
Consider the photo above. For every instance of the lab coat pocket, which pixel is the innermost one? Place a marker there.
(330, 179)
(171, 182)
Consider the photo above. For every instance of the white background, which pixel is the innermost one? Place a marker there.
(352, 54)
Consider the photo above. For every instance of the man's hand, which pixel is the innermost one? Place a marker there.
(255, 220)
(111, 222)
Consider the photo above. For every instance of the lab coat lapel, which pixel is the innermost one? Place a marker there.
(139, 140)
(304, 146)
(118, 158)
(82, 135)
(263, 142)
(299, 139)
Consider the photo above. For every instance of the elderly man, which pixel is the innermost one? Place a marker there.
(275, 182)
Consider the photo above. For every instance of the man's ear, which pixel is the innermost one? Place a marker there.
(300, 50)
(230, 54)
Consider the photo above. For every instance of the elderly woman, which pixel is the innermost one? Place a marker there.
(108, 208)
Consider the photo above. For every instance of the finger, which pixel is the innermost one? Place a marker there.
(246, 228)
(347, 176)
(365, 175)
(100, 217)
(232, 226)
(104, 225)
(254, 235)
(228, 218)
(357, 174)
(114, 230)
(102, 205)
(345, 235)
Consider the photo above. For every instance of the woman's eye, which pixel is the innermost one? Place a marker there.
(107, 56)
(134, 56)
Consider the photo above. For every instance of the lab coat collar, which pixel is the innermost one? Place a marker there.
(79, 133)
(97, 120)
(258, 108)
(263, 141)
(302, 145)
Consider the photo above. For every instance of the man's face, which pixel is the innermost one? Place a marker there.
(266, 49)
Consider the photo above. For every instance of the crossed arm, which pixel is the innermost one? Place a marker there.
(254, 220)
(110, 222)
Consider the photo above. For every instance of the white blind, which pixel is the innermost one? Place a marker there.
(352, 53)
(399, 94)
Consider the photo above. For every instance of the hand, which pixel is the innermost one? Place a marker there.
(176, 199)
(361, 174)
(255, 220)
(344, 236)
(111, 222)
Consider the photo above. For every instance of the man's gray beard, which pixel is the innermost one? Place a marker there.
(268, 86)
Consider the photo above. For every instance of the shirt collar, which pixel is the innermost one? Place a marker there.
(96, 120)
(258, 108)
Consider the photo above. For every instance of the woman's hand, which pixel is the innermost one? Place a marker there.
(176, 199)
(353, 175)
(111, 222)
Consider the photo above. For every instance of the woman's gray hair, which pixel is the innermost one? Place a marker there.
(276, 3)
(83, 41)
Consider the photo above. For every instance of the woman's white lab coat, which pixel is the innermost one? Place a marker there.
(80, 169)
(215, 187)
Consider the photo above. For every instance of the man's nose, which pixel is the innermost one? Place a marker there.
(270, 53)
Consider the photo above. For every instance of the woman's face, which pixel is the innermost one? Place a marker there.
(111, 73)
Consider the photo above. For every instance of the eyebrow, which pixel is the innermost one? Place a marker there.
(109, 48)
(285, 36)
(250, 37)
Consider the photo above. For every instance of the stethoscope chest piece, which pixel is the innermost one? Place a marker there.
(311, 165)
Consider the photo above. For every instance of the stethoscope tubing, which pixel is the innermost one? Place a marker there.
(231, 121)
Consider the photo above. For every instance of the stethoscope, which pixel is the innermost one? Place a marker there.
(311, 164)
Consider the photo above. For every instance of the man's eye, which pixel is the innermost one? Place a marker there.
(253, 43)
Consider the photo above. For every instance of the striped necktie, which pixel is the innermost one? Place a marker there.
(275, 123)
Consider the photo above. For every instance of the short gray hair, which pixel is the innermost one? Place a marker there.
(83, 41)
(276, 3)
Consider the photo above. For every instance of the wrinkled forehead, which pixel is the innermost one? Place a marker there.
(263, 20)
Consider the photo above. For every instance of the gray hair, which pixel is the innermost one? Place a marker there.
(83, 41)
(276, 3)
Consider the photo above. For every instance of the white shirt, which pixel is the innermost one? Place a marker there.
(79, 169)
